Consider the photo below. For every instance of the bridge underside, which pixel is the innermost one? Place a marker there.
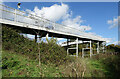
(43, 33)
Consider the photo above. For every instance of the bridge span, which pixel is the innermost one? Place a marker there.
(38, 26)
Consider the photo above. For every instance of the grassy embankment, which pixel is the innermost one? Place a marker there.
(20, 58)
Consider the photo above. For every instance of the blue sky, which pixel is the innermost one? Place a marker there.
(94, 14)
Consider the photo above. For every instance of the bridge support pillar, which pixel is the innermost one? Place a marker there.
(47, 35)
(67, 47)
(90, 48)
(76, 47)
(105, 47)
(98, 48)
(104, 43)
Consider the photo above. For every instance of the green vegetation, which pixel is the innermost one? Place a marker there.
(102, 65)
(20, 58)
(50, 52)
(17, 65)
(113, 48)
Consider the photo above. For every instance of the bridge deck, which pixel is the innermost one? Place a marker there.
(29, 23)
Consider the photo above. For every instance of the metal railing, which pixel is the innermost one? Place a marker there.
(15, 15)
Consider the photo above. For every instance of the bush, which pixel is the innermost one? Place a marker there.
(51, 52)
(113, 48)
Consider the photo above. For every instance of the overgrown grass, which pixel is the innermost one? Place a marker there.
(83, 67)
(102, 65)
(17, 65)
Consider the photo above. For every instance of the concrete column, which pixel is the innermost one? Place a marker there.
(35, 37)
(103, 47)
(47, 35)
(67, 51)
(90, 48)
(76, 47)
(87, 46)
(67, 47)
(82, 52)
(98, 48)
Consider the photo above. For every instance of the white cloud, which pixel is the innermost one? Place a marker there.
(53, 13)
(76, 23)
(114, 23)
(1, 1)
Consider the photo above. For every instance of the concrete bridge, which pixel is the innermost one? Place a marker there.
(38, 26)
